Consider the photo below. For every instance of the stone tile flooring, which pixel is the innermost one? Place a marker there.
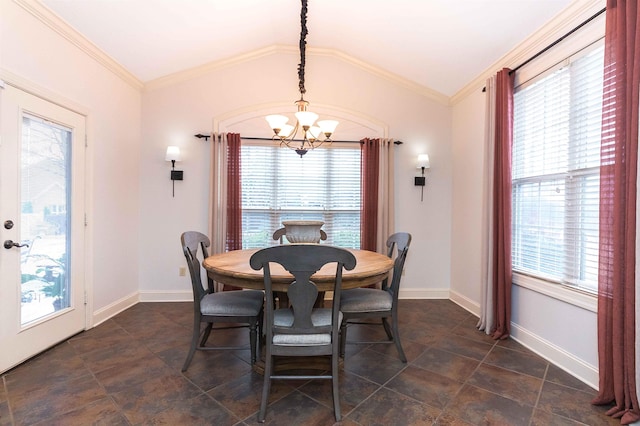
(127, 372)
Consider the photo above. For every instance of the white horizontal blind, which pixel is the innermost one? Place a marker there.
(555, 173)
(278, 185)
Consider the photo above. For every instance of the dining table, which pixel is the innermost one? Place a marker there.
(232, 268)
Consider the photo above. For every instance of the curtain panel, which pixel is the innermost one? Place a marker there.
(377, 211)
(485, 323)
(218, 193)
(234, 194)
(369, 171)
(501, 256)
(618, 193)
(225, 198)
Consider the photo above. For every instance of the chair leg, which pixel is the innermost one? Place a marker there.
(396, 339)
(387, 329)
(253, 334)
(334, 381)
(194, 343)
(205, 335)
(266, 387)
(343, 337)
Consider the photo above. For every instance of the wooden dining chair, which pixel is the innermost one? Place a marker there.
(301, 330)
(364, 303)
(243, 308)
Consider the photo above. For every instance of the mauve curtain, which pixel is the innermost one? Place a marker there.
(234, 195)
(618, 193)
(369, 167)
(377, 211)
(485, 323)
(501, 262)
(225, 197)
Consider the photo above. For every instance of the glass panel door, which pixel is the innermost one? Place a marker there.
(42, 226)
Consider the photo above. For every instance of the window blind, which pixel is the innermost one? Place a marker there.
(279, 185)
(555, 173)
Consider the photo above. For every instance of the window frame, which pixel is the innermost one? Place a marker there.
(554, 288)
(278, 213)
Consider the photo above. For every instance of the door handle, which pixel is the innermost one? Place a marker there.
(10, 244)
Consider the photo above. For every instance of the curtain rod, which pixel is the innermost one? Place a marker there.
(206, 137)
(484, 89)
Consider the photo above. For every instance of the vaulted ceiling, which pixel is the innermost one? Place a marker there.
(439, 44)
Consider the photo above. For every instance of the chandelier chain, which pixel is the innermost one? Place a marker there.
(303, 45)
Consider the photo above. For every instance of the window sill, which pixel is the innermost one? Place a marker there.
(558, 291)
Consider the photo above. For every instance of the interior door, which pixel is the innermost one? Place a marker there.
(42, 226)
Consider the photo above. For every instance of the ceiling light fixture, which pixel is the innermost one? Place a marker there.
(312, 136)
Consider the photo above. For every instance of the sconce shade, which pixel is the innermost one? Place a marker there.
(423, 161)
(173, 154)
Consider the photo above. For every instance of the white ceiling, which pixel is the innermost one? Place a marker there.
(439, 44)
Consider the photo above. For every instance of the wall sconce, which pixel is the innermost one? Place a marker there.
(423, 163)
(173, 155)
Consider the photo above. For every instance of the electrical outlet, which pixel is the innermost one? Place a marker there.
(182, 271)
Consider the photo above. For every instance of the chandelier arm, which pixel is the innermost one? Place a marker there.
(303, 45)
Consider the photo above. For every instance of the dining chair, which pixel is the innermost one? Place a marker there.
(301, 330)
(243, 308)
(365, 303)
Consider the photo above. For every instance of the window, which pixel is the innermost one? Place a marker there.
(555, 173)
(279, 185)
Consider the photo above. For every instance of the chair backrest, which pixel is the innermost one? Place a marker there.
(401, 242)
(302, 261)
(191, 242)
(279, 234)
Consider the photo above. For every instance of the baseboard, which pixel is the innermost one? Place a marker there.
(421, 293)
(166, 296)
(581, 370)
(464, 302)
(113, 309)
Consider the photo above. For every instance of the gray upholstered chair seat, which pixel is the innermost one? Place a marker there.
(319, 317)
(365, 300)
(232, 303)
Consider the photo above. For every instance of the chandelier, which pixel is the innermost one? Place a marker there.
(312, 135)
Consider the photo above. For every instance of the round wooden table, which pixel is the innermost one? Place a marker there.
(232, 268)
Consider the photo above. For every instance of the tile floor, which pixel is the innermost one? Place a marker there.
(127, 372)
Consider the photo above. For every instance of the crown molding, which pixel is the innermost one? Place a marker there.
(201, 70)
(274, 49)
(574, 14)
(382, 73)
(53, 21)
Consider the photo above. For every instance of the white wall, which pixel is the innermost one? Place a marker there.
(174, 111)
(468, 172)
(35, 55)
